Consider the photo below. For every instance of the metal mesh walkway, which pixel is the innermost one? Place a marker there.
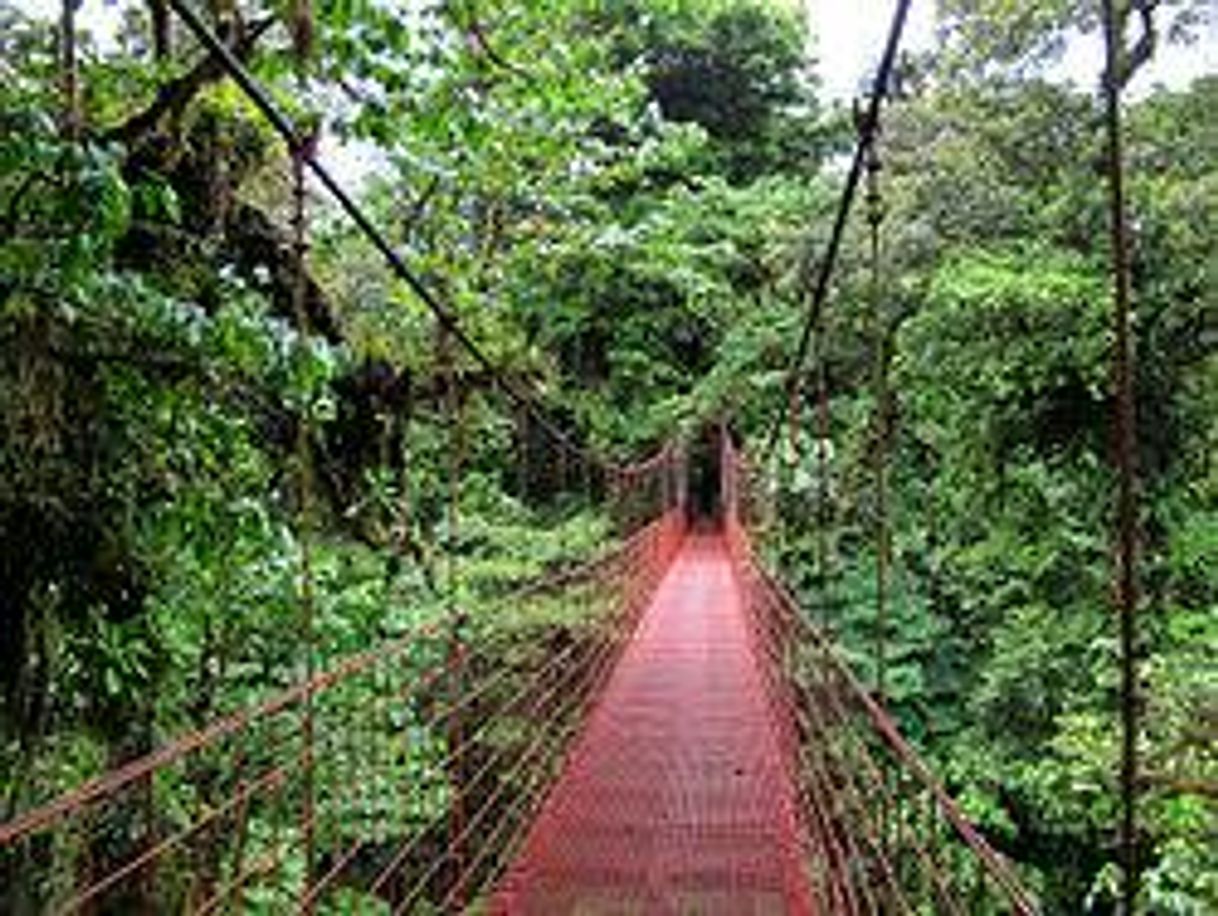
(677, 797)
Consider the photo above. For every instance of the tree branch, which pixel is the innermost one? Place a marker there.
(1207, 788)
(481, 44)
(173, 97)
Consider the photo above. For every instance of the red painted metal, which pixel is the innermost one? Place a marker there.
(698, 748)
(861, 849)
(678, 796)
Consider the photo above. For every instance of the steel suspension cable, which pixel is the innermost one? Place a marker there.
(116, 779)
(772, 594)
(455, 754)
(304, 510)
(315, 890)
(1126, 445)
(879, 781)
(555, 662)
(623, 566)
(855, 794)
(272, 778)
(822, 475)
(572, 700)
(823, 787)
(590, 678)
(811, 714)
(880, 394)
(288, 130)
(591, 683)
(868, 126)
(451, 758)
(275, 779)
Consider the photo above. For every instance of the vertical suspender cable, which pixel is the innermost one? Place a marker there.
(455, 416)
(304, 516)
(883, 536)
(791, 465)
(69, 71)
(822, 474)
(868, 125)
(1126, 585)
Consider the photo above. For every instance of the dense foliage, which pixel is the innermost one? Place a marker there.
(996, 310)
(623, 202)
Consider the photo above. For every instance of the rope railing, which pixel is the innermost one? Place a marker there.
(882, 834)
(408, 773)
(210, 821)
(890, 836)
(296, 798)
(290, 799)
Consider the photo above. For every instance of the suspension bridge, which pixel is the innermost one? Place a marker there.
(693, 744)
(701, 749)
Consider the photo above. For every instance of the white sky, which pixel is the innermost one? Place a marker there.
(848, 38)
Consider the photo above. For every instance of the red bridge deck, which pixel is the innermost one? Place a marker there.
(676, 798)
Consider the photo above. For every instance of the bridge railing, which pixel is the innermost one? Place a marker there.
(395, 780)
(884, 834)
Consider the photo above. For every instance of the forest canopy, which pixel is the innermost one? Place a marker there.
(624, 204)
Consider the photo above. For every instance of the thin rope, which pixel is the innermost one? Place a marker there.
(69, 71)
(455, 415)
(1125, 430)
(304, 516)
(883, 536)
(822, 476)
(882, 533)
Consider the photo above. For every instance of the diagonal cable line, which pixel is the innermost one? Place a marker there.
(866, 137)
(298, 144)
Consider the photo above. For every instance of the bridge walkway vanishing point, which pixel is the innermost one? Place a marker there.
(678, 796)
